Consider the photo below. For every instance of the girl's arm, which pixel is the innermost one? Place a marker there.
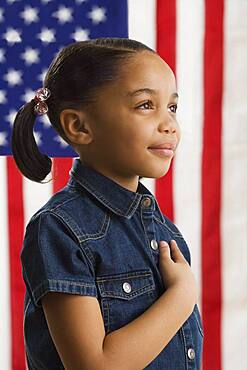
(77, 328)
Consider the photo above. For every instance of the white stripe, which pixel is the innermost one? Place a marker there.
(234, 195)
(142, 27)
(5, 326)
(35, 195)
(142, 21)
(187, 161)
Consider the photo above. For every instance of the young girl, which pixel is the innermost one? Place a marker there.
(103, 290)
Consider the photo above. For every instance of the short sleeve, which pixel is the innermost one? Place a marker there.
(53, 259)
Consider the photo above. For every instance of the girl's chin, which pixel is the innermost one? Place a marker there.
(156, 173)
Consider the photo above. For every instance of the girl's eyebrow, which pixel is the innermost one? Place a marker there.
(147, 90)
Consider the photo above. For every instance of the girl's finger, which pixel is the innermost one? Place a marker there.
(164, 249)
(175, 251)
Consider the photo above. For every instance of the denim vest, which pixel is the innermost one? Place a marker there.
(97, 238)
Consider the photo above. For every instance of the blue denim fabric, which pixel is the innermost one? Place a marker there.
(96, 238)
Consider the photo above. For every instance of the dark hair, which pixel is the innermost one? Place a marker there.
(73, 78)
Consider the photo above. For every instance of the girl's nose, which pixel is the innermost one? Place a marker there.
(169, 125)
(170, 130)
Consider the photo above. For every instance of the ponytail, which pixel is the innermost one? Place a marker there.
(33, 164)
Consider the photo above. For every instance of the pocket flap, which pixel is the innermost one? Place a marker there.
(126, 285)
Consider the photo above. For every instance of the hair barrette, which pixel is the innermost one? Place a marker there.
(41, 95)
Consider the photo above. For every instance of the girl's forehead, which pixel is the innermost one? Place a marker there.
(142, 73)
(145, 61)
(146, 70)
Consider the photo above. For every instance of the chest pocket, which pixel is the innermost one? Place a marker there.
(125, 296)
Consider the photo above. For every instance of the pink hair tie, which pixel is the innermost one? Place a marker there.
(41, 95)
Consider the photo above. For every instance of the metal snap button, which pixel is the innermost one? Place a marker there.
(191, 353)
(154, 244)
(127, 287)
(146, 202)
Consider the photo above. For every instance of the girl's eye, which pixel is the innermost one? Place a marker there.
(146, 104)
(174, 106)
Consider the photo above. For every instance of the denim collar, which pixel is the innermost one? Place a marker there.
(114, 196)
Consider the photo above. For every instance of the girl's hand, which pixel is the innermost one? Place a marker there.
(175, 270)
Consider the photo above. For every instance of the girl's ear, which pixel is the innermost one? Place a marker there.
(75, 126)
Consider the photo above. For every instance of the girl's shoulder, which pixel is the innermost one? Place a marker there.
(66, 195)
(171, 226)
(76, 208)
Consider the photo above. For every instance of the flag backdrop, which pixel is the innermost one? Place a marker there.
(204, 192)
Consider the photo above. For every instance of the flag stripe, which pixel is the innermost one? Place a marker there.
(187, 161)
(5, 322)
(234, 184)
(211, 183)
(143, 12)
(166, 48)
(17, 288)
(35, 195)
(60, 172)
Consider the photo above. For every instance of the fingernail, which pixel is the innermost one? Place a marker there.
(163, 243)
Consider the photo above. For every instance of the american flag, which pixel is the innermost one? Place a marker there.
(204, 192)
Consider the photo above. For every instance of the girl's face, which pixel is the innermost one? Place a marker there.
(125, 122)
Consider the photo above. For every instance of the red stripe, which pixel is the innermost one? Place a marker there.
(60, 172)
(166, 48)
(211, 184)
(17, 287)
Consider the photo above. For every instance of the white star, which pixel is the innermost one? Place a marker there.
(30, 56)
(97, 14)
(63, 14)
(2, 57)
(45, 120)
(41, 76)
(61, 141)
(3, 140)
(46, 35)
(11, 116)
(28, 95)
(1, 15)
(29, 15)
(13, 77)
(12, 35)
(46, 1)
(80, 1)
(3, 97)
(37, 136)
(12, 1)
(80, 34)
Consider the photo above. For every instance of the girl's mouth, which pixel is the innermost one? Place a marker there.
(162, 152)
